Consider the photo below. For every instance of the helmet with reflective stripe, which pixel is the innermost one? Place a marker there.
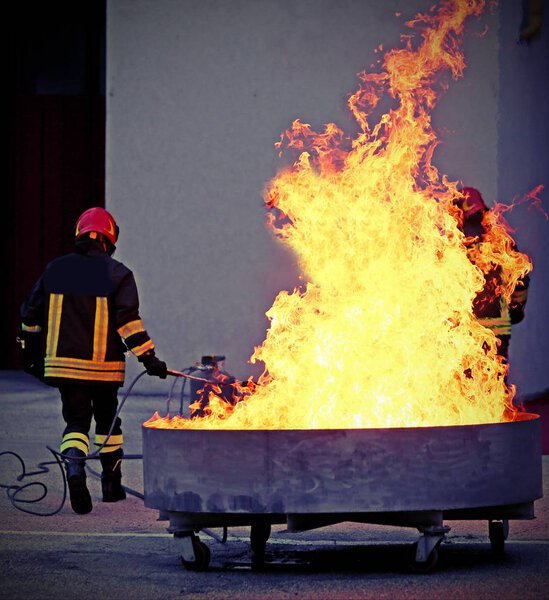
(99, 220)
(472, 202)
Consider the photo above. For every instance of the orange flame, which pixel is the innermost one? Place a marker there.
(383, 333)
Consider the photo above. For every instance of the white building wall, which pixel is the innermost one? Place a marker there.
(198, 92)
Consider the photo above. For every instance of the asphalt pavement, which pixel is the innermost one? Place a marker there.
(122, 550)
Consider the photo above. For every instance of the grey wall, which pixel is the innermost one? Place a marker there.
(198, 92)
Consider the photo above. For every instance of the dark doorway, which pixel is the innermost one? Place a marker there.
(56, 141)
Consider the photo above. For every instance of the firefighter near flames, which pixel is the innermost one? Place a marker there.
(78, 322)
(502, 300)
(389, 276)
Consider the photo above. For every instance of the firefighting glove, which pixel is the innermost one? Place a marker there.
(516, 313)
(33, 359)
(154, 365)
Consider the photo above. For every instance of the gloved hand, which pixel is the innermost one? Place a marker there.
(154, 365)
(516, 313)
(33, 359)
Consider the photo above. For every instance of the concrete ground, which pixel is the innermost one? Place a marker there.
(123, 550)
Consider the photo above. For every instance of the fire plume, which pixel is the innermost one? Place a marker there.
(382, 334)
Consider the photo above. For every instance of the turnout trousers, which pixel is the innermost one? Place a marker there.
(81, 404)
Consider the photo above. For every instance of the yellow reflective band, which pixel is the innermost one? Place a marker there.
(501, 330)
(493, 321)
(79, 363)
(76, 435)
(75, 440)
(113, 376)
(54, 322)
(114, 439)
(100, 329)
(74, 444)
(500, 325)
(31, 328)
(115, 443)
(108, 449)
(143, 348)
(131, 328)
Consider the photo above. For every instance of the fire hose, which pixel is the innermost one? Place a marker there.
(15, 491)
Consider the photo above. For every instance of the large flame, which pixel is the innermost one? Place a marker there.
(383, 333)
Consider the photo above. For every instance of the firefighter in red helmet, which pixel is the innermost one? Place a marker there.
(489, 305)
(80, 318)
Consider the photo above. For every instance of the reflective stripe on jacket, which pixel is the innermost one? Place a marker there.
(87, 305)
(499, 325)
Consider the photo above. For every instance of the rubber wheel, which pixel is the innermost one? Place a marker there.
(426, 566)
(496, 532)
(202, 557)
(259, 534)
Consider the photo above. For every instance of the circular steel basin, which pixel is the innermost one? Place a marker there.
(263, 472)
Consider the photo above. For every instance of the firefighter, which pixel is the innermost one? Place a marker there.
(80, 318)
(489, 305)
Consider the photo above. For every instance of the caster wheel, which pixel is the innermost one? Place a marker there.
(497, 532)
(426, 566)
(259, 534)
(201, 557)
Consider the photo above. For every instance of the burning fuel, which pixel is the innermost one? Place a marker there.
(382, 334)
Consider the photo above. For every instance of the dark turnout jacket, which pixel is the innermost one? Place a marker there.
(489, 305)
(85, 309)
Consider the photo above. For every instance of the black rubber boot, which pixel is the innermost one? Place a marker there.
(76, 478)
(111, 478)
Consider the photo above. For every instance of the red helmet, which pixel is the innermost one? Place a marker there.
(99, 220)
(472, 202)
